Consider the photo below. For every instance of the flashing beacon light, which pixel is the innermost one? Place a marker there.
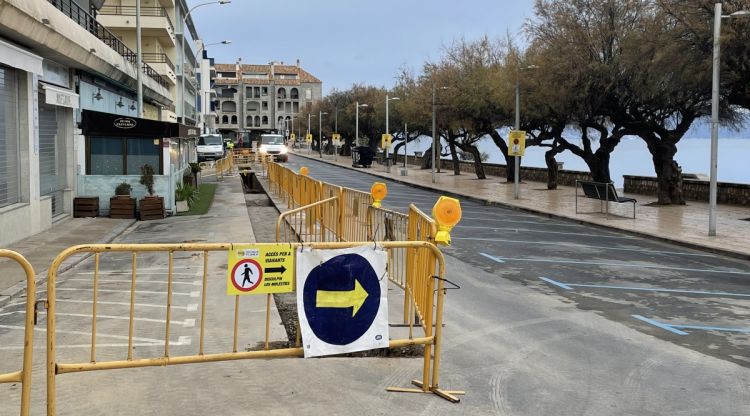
(378, 192)
(447, 213)
(304, 171)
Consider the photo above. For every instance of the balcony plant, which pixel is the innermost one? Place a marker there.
(122, 205)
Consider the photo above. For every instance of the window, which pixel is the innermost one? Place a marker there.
(295, 107)
(265, 120)
(224, 120)
(280, 105)
(265, 105)
(294, 94)
(249, 121)
(264, 91)
(122, 156)
(234, 119)
(256, 92)
(257, 121)
(252, 106)
(9, 169)
(308, 94)
(281, 93)
(229, 106)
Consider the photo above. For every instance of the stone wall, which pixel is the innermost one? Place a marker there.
(693, 189)
(564, 177)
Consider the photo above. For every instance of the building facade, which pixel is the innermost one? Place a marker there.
(262, 98)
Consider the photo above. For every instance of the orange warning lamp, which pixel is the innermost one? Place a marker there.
(378, 192)
(447, 213)
(304, 171)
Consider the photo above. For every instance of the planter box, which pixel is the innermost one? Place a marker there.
(182, 206)
(151, 208)
(122, 207)
(85, 206)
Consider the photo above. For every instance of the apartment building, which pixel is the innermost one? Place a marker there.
(163, 25)
(262, 98)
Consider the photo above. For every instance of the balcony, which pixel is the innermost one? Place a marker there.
(78, 15)
(162, 64)
(155, 21)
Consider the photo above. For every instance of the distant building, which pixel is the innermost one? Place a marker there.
(262, 98)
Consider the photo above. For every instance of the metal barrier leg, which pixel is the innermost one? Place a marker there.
(24, 376)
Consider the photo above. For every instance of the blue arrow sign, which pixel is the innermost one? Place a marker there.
(341, 298)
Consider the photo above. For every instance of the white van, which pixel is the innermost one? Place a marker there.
(273, 144)
(210, 147)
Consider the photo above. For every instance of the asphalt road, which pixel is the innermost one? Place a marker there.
(695, 299)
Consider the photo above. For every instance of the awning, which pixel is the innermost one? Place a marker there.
(59, 96)
(20, 58)
(95, 123)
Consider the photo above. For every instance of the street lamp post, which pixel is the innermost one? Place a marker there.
(713, 184)
(435, 138)
(182, 53)
(320, 133)
(356, 123)
(309, 131)
(517, 164)
(387, 131)
(139, 58)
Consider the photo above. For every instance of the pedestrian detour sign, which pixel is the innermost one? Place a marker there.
(342, 300)
(254, 269)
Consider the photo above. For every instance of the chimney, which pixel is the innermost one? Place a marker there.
(273, 65)
(297, 63)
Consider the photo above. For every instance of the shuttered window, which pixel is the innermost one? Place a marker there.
(52, 175)
(9, 169)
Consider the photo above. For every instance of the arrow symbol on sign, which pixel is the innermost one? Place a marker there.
(281, 269)
(342, 299)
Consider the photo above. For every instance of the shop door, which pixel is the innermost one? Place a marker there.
(52, 173)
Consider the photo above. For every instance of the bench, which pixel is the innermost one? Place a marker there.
(604, 192)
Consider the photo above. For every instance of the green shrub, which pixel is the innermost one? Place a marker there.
(187, 193)
(123, 189)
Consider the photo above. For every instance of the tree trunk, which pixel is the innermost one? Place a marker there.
(668, 174)
(427, 158)
(549, 157)
(510, 161)
(454, 158)
(478, 166)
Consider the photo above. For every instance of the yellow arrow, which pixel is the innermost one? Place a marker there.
(342, 299)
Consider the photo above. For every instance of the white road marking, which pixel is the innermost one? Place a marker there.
(98, 334)
(181, 342)
(189, 308)
(149, 292)
(518, 230)
(555, 243)
(540, 222)
(138, 273)
(187, 323)
(107, 281)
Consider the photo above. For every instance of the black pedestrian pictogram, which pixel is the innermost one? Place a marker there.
(246, 273)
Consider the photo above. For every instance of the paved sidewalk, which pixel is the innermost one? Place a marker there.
(686, 224)
(42, 248)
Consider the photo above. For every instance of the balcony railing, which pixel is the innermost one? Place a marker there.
(71, 9)
(158, 58)
(130, 11)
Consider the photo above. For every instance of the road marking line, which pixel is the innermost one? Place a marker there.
(554, 243)
(518, 230)
(149, 292)
(113, 345)
(187, 323)
(590, 263)
(189, 308)
(98, 334)
(570, 286)
(658, 324)
(541, 222)
(195, 294)
(677, 328)
(140, 272)
(106, 281)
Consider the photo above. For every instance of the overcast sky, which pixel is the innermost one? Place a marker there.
(344, 42)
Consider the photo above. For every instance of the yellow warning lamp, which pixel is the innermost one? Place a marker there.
(378, 192)
(447, 213)
(304, 171)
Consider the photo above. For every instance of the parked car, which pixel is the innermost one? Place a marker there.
(210, 147)
(273, 144)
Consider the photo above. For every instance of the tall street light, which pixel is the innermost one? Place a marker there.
(207, 94)
(516, 171)
(356, 123)
(387, 131)
(320, 132)
(435, 138)
(138, 59)
(182, 54)
(713, 185)
(309, 131)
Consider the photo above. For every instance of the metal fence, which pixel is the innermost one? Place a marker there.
(24, 375)
(429, 273)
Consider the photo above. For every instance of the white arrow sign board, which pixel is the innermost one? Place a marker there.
(342, 300)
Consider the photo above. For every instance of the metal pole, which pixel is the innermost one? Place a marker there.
(387, 165)
(714, 122)
(356, 126)
(336, 121)
(182, 71)
(320, 134)
(139, 57)
(434, 134)
(516, 173)
(309, 146)
(406, 144)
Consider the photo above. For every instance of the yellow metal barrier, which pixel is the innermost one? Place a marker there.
(429, 303)
(24, 376)
(317, 222)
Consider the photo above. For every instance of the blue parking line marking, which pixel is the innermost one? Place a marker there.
(556, 283)
(661, 325)
(570, 286)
